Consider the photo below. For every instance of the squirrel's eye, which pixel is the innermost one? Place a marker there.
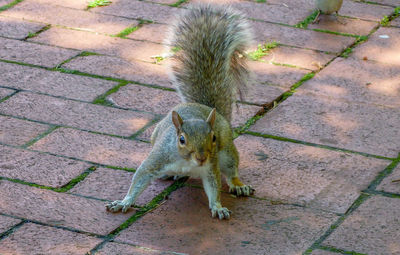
(182, 139)
(214, 138)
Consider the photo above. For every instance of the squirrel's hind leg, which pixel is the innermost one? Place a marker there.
(229, 161)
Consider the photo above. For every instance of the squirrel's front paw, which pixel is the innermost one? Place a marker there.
(243, 190)
(222, 212)
(119, 205)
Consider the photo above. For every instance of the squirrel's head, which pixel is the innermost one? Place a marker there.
(196, 140)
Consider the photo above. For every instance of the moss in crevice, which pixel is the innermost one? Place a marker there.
(308, 20)
(8, 6)
(102, 99)
(34, 140)
(178, 3)
(98, 3)
(262, 50)
(31, 35)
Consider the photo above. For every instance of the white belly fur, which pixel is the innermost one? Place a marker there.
(185, 168)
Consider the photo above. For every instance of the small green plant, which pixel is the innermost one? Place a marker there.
(127, 31)
(261, 1)
(97, 3)
(308, 20)
(30, 35)
(385, 21)
(262, 50)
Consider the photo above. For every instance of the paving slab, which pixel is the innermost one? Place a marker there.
(95, 148)
(32, 53)
(309, 59)
(67, 17)
(75, 4)
(300, 174)
(145, 99)
(7, 222)
(382, 46)
(58, 209)
(37, 239)
(52, 82)
(17, 28)
(333, 122)
(267, 32)
(116, 186)
(5, 92)
(4, 2)
(126, 249)
(38, 168)
(70, 113)
(18, 132)
(139, 10)
(164, 1)
(151, 32)
(343, 25)
(322, 252)
(364, 10)
(388, 185)
(102, 44)
(290, 13)
(358, 81)
(241, 113)
(372, 229)
(395, 22)
(264, 229)
(123, 69)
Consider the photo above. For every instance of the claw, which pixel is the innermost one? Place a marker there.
(241, 190)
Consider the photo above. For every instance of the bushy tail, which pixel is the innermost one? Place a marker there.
(209, 65)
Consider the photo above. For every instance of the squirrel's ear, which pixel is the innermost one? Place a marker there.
(211, 118)
(177, 120)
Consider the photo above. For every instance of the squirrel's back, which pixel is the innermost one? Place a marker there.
(209, 66)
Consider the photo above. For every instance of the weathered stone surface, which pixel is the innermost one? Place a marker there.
(395, 22)
(5, 92)
(279, 13)
(388, 185)
(113, 46)
(304, 58)
(151, 32)
(75, 114)
(37, 239)
(242, 113)
(76, 4)
(266, 32)
(264, 229)
(270, 74)
(93, 147)
(382, 46)
(358, 81)
(334, 122)
(343, 25)
(4, 2)
(32, 53)
(18, 132)
(373, 228)
(305, 175)
(139, 10)
(145, 99)
(116, 186)
(53, 83)
(7, 222)
(126, 249)
(118, 68)
(364, 10)
(38, 168)
(262, 94)
(146, 134)
(77, 19)
(17, 28)
(322, 252)
(58, 209)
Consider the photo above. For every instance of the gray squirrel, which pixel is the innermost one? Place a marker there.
(195, 138)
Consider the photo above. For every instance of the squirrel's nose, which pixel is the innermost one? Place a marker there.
(201, 158)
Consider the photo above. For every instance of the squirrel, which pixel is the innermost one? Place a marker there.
(195, 138)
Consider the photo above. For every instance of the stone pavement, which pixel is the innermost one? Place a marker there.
(82, 88)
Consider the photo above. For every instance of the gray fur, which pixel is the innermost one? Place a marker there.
(210, 68)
